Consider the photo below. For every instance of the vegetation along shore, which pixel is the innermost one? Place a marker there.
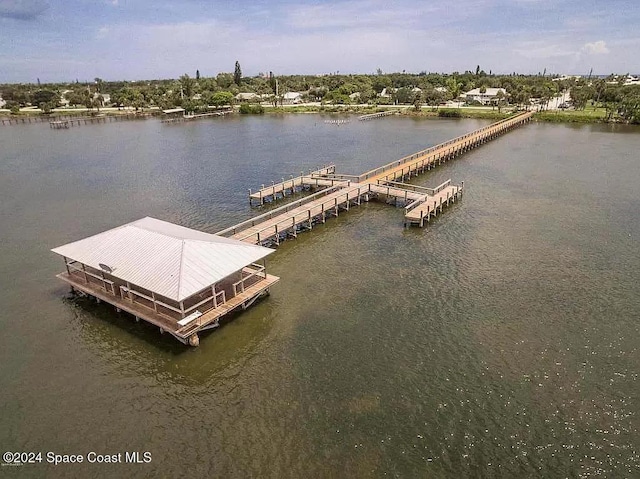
(473, 94)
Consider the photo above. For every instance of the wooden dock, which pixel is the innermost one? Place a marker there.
(290, 186)
(435, 155)
(425, 208)
(227, 276)
(342, 191)
(373, 116)
(201, 116)
(288, 220)
(167, 324)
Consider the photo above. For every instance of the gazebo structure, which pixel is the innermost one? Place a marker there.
(179, 279)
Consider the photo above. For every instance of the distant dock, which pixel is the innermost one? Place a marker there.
(201, 116)
(373, 116)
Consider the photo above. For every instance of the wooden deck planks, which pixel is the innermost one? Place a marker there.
(288, 220)
(433, 155)
(430, 206)
(168, 324)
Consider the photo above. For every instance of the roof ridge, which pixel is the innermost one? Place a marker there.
(180, 269)
(225, 240)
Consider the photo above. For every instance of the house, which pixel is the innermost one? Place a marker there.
(292, 97)
(387, 92)
(625, 81)
(485, 97)
(106, 98)
(567, 77)
(247, 96)
(2, 102)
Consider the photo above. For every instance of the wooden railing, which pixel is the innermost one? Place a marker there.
(293, 221)
(256, 270)
(276, 211)
(72, 267)
(482, 132)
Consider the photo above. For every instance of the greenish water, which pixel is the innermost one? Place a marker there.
(500, 341)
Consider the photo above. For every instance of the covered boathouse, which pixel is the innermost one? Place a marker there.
(179, 279)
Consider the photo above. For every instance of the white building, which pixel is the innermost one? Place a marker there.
(387, 92)
(247, 96)
(485, 97)
(292, 97)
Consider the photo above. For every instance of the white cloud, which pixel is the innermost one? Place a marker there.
(102, 32)
(595, 48)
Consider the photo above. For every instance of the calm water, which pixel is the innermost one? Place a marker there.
(501, 341)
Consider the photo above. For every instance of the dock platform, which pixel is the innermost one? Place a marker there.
(272, 227)
(290, 186)
(421, 210)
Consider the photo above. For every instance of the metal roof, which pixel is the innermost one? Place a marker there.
(168, 259)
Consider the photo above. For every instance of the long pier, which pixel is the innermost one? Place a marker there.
(70, 120)
(435, 155)
(343, 191)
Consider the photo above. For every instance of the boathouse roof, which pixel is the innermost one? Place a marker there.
(168, 259)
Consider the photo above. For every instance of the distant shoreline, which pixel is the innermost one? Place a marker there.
(548, 116)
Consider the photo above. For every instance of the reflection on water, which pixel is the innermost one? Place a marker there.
(500, 341)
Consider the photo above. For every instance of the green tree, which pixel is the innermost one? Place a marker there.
(629, 109)
(500, 100)
(237, 74)
(580, 96)
(403, 95)
(433, 97)
(224, 80)
(186, 85)
(417, 100)
(197, 75)
(453, 87)
(221, 98)
(43, 96)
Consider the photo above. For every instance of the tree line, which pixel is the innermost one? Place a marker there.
(200, 92)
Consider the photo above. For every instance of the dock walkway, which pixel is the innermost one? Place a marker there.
(278, 224)
(435, 155)
(421, 204)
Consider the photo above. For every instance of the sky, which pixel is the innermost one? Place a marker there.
(65, 40)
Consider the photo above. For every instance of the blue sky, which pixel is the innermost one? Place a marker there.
(61, 40)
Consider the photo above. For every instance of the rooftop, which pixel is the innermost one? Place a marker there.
(168, 259)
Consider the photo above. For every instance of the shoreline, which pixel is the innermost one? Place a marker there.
(548, 116)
